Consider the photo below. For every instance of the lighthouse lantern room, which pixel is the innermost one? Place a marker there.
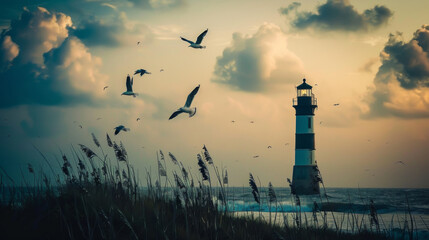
(305, 179)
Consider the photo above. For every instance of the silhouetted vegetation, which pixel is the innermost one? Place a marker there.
(95, 197)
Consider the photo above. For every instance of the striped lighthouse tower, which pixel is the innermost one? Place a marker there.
(305, 172)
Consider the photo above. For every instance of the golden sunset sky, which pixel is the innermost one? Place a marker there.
(371, 57)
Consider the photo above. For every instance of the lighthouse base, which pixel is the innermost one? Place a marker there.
(304, 180)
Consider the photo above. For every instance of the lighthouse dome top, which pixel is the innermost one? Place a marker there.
(304, 85)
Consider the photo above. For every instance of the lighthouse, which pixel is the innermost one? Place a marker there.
(305, 172)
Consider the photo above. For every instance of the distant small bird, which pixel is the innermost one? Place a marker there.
(315, 84)
(197, 44)
(400, 162)
(251, 121)
(367, 170)
(141, 72)
(138, 119)
(286, 144)
(321, 122)
(120, 128)
(269, 147)
(129, 84)
(80, 126)
(186, 108)
(138, 43)
(256, 156)
(161, 70)
(336, 104)
(233, 121)
(105, 87)
(99, 118)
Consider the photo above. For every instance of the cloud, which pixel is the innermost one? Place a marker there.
(94, 32)
(109, 5)
(293, 6)
(37, 32)
(111, 31)
(401, 86)
(47, 67)
(258, 62)
(340, 15)
(158, 4)
(9, 50)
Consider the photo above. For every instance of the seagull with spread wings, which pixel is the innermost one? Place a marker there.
(141, 72)
(196, 44)
(187, 108)
(129, 84)
(121, 128)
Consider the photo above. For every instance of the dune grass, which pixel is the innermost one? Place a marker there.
(93, 196)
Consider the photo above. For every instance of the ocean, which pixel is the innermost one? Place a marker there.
(349, 209)
(397, 211)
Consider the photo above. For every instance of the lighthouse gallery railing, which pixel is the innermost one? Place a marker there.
(313, 101)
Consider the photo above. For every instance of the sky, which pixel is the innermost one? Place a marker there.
(371, 57)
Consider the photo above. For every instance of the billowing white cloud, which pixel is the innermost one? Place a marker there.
(9, 50)
(401, 86)
(37, 32)
(74, 65)
(258, 62)
(47, 66)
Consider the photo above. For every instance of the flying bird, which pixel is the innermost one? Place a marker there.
(138, 43)
(80, 126)
(269, 147)
(141, 71)
(129, 84)
(105, 88)
(186, 108)
(256, 156)
(321, 122)
(336, 104)
(161, 70)
(138, 119)
(400, 162)
(233, 121)
(120, 128)
(99, 118)
(251, 121)
(197, 44)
